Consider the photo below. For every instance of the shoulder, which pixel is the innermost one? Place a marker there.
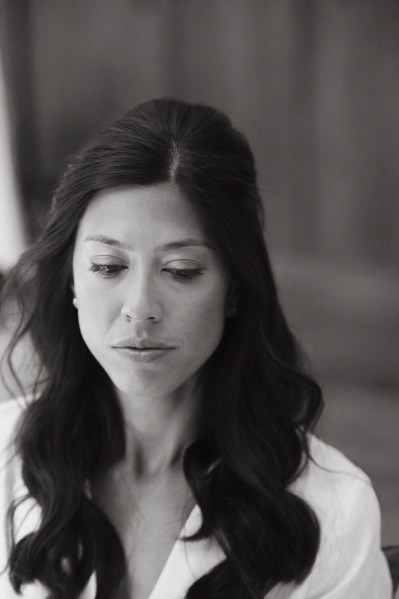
(11, 412)
(350, 561)
(12, 408)
(12, 488)
(330, 480)
(340, 493)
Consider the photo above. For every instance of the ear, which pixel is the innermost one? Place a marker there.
(233, 297)
(234, 290)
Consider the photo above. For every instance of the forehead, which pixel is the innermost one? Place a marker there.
(143, 215)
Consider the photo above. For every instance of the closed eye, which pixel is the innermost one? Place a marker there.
(184, 274)
(107, 270)
(178, 274)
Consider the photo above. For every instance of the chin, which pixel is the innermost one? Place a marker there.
(150, 380)
(145, 387)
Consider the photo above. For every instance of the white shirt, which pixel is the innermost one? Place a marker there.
(349, 565)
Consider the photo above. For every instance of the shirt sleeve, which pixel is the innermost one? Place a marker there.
(350, 562)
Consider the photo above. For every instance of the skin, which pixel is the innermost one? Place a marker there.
(147, 289)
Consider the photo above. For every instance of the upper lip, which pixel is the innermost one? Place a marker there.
(141, 344)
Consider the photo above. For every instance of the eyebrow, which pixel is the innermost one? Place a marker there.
(173, 245)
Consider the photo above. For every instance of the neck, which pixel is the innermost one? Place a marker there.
(158, 430)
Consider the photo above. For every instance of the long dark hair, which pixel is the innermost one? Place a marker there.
(258, 402)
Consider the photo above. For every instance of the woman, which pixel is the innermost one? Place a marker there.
(167, 451)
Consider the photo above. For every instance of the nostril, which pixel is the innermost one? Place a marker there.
(125, 314)
(130, 315)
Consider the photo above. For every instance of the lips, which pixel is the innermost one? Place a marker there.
(142, 352)
(141, 344)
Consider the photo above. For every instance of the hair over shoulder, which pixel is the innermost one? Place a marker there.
(258, 401)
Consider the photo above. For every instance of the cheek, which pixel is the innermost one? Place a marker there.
(205, 321)
(91, 326)
(95, 302)
(94, 314)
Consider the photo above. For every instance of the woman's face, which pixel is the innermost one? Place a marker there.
(151, 291)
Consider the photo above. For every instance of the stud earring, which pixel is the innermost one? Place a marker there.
(232, 312)
(75, 302)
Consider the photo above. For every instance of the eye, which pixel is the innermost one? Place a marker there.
(107, 270)
(184, 274)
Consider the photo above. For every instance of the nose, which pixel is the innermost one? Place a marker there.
(142, 302)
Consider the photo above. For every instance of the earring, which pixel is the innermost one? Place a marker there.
(75, 302)
(232, 312)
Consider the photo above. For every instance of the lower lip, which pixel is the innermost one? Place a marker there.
(143, 355)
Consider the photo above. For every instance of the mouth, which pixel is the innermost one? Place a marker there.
(143, 353)
(142, 349)
(142, 346)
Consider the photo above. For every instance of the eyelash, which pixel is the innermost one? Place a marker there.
(183, 275)
(188, 273)
(106, 270)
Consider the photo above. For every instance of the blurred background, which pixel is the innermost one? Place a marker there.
(315, 87)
